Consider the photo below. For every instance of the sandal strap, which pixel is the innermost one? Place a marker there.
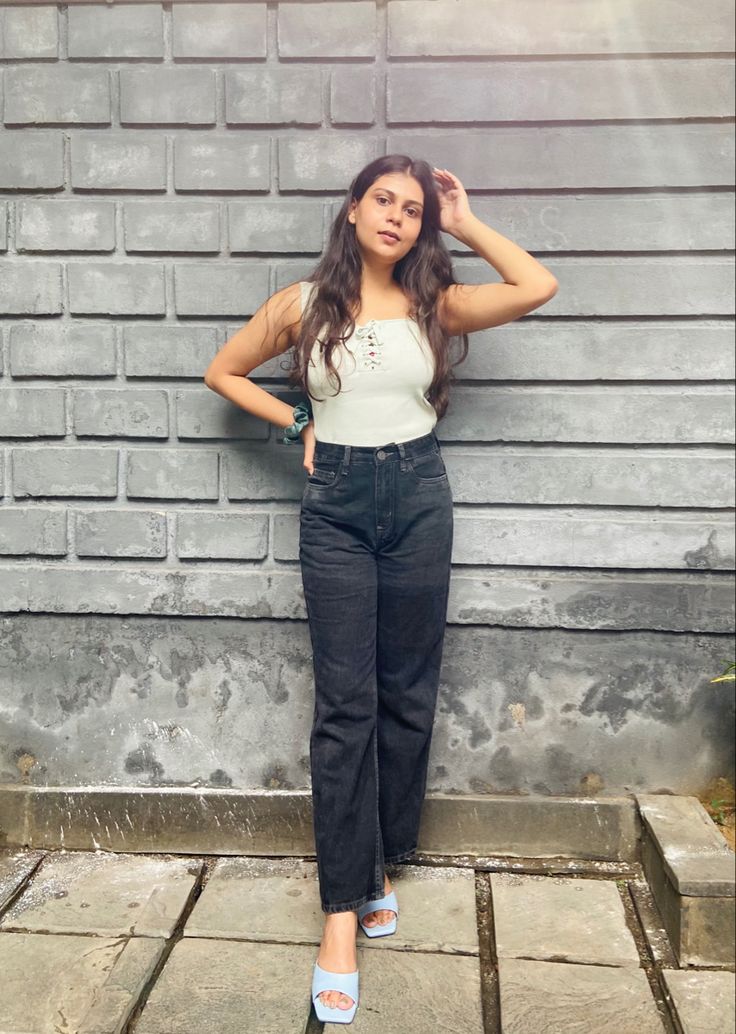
(324, 980)
(388, 902)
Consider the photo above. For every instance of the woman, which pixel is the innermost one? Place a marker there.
(370, 332)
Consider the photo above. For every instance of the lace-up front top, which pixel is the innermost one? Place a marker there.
(385, 368)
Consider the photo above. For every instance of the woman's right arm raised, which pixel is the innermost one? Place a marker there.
(270, 331)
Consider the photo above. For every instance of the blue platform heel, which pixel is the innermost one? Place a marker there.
(388, 902)
(346, 983)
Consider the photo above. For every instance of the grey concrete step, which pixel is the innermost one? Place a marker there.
(692, 873)
(233, 822)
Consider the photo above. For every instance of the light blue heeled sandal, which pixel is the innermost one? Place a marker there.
(346, 983)
(388, 902)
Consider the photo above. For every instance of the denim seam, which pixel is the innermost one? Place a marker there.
(379, 845)
(326, 484)
(427, 481)
(326, 452)
(346, 906)
(430, 481)
(400, 857)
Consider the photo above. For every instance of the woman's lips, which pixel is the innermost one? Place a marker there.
(388, 237)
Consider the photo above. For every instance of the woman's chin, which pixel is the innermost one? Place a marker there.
(381, 255)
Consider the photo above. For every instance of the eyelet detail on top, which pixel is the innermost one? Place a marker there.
(369, 348)
(429, 468)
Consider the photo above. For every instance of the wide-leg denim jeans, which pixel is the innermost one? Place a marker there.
(376, 529)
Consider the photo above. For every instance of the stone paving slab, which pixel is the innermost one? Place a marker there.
(105, 894)
(705, 1002)
(266, 989)
(403, 992)
(560, 919)
(231, 987)
(14, 867)
(426, 978)
(66, 983)
(560, 998)
(278, 900)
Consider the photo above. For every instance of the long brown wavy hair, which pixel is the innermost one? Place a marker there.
(422, 273)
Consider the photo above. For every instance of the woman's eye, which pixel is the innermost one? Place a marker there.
(412, 211)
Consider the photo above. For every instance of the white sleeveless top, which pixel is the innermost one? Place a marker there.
(385, 368)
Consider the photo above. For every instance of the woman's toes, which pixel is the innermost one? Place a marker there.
(381, 917)
(378, 918)
(334, 998)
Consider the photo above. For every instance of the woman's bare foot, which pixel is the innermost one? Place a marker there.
(383, 915)
(337, 953)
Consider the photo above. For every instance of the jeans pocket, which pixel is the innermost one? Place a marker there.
(325, 475)
(428, 468)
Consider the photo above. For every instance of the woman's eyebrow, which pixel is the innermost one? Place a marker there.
(385, 190)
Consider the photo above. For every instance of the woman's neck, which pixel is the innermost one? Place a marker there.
(377, 279)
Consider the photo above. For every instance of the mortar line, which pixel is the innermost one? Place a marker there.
(22, 886)
(208, 865)
(647, 960)
(488, 955)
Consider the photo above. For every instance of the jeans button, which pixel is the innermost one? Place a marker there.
(381, 454)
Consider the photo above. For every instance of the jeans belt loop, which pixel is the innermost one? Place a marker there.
(402, 453)
(346, 460)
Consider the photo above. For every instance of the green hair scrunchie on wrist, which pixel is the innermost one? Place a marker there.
(302, 416)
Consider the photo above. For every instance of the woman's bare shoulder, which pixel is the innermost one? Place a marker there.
(272, 330)
(283, 312)
(288, 298)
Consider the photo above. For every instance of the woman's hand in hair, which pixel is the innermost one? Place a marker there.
(454, 204)
(307, 436)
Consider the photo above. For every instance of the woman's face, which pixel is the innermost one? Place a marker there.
(394, 203)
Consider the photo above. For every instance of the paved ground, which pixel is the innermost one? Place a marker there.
(96, 943)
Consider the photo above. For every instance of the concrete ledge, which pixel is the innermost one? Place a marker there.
(227, 821)
(691, 871)
(696, 858)
(530, 827)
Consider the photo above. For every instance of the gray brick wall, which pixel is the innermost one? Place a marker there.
(164, 168)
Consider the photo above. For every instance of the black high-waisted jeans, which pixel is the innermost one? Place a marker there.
(376, 529)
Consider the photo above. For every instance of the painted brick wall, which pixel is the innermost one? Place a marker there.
(163, 169)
